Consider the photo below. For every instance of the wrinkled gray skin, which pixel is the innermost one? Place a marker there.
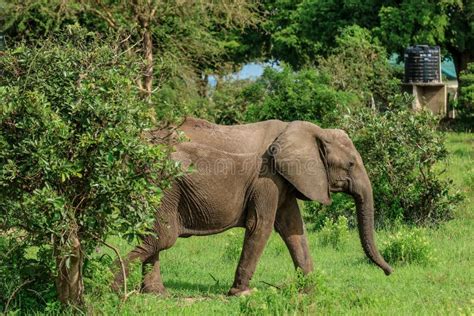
(251, 176)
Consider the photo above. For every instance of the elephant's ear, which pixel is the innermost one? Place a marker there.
(299, 157)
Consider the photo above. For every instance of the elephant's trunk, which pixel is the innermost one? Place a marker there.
(365, 221)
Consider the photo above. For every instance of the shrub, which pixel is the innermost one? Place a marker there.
(233, 247)
(342, 206)
(466, 92)
(23, 267)
(334, 232)
(296, 296)
(407, 246)
(73, 166)
(359, 64)
(304, 95)
(229, 100)
(400, 149)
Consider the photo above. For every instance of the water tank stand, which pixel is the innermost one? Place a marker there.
(432, 95)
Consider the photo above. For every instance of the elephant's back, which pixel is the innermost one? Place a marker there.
(245, 138)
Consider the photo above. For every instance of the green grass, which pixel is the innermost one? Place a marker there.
(198, 271)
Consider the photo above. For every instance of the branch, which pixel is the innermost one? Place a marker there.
(13, 294)
(276, 287)
(122, 266)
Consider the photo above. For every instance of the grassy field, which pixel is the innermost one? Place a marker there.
(198, 271)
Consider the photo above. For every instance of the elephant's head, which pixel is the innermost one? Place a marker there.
(318, 161)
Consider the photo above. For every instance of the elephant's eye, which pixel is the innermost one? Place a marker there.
(351, 164)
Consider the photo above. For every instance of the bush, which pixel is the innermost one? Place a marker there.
(230, 99)
(23, 267)
(73, 165)
(233, 247)
(359, 65)
(342, 206)
(296, 296)
(407, 246)
(304, 95)
(334, 233)
(466, 92)
(400, 149)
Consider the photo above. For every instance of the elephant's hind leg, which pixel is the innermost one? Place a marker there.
(167, 230)
(152, 282)
(140, 253)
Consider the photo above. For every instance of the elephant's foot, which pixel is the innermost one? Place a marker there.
(239, 291)
(157, 289)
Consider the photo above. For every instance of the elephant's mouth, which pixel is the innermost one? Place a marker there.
(341, 185)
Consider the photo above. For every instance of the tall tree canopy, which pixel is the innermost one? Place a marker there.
(296, 31)
(177, 39)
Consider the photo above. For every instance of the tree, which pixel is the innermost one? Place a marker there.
(460, 34)
(289, 96)
(359, 64)
(176, 39)
(74, 167)
(466, 99)
(298, 31)
(447, 23)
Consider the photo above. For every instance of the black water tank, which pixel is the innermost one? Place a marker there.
(422, 63)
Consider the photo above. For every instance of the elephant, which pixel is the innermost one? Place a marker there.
(251, 176)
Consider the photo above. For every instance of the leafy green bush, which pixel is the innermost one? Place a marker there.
(407, 246)
(23, 267)
(359, 64)
(73, 165)
(233, 247)
(304, 95)
(297, 295)
(229, 100)
(342, 205)
(466, 92)
(334, 232)
(400, 149)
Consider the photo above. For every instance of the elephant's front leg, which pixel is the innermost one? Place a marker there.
(254, 244)
(289, 224)
(259, 227)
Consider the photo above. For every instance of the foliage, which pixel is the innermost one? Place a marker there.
(409, 22)
(295, 296)
(342, 206)
(359, 64)
(297, 31)
(447, 23)
(229, 100)
(407, 246)
(179, 41)
(400, 148)
(304, 95)
(72, 161)
(466, 89)
(334, 232)
(25, 267)
(233, 247)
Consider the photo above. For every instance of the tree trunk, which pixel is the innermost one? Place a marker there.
(69, 282)
(203, 82)
(144, 13)
(461, 59)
